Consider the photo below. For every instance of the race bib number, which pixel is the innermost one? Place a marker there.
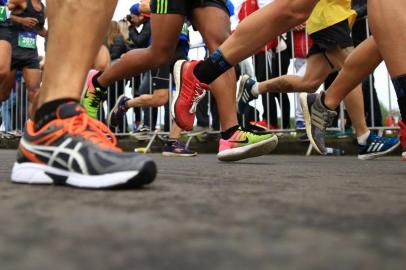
(4, 13)
(27, 40)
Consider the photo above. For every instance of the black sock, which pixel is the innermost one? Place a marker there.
(47, 112)
(96, 83)
(400, 87)
(211, 68)
(225, 135)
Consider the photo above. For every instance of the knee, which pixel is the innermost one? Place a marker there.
(160, 56)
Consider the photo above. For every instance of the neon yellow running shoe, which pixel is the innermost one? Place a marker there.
(92, 96)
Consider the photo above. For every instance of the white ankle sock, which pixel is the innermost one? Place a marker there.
(255, 90)
(362, 140)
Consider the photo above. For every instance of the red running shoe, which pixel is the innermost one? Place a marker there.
(189, 91)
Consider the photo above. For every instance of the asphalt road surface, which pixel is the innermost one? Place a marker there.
(274, 212)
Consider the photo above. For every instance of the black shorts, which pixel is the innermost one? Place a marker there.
(5, 34)
(335, 36)
(22, 63)
(185, 7)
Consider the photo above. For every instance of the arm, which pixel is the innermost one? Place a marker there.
(27, 21)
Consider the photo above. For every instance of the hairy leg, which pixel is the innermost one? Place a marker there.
(214, 25)
(165, 29)
(66, 80)
(316, 72)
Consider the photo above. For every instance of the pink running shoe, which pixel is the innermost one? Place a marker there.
(246, 144)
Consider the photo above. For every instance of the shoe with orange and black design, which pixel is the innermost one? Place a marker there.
(189, 92)
(79, 151)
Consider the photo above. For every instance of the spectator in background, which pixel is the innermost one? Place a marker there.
(139, 39)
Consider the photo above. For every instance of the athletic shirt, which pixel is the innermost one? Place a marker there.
(4, 14)
(329, 12)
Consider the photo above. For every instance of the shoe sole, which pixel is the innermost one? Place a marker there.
(308, 121)
(170, 154)
(112, 110)
(241, 89)
(177, 74)
(249, 151)
(379, 154)
(40, 174)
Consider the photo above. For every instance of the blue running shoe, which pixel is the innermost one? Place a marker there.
(377, 146)
(244, 95)
(177, 149)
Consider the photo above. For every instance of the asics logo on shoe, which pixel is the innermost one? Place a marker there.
(60, 155)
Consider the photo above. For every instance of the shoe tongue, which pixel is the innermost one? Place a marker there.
(69, 110)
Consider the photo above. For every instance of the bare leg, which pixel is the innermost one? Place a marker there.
(165, 29)
(158, 98)
(5, 56)
(175, 131)
(7, 85)
(214, 25)
(388, 22)
(66, 80)
(267, 23)
(316, 72)
(32, 79)
(361, 62)
(354, 101)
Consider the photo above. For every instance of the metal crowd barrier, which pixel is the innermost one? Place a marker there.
(14, 110)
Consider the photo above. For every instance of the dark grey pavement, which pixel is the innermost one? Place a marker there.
(274, 212)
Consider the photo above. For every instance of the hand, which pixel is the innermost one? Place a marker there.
(29, 22)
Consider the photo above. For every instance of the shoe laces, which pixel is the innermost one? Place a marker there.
(199, 94)
(91, 129)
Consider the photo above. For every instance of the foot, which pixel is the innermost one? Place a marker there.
(92, 96)
(143, 133)
(244, 95)
(246, 144)
(189, 91)
(117, 114)
(177, 149)
(403, 138)
(317, 118)
(377, 146)
(78, 151)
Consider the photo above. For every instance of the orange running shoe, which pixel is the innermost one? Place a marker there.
(78, 151)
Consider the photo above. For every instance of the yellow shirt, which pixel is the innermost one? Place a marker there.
(329, 12)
